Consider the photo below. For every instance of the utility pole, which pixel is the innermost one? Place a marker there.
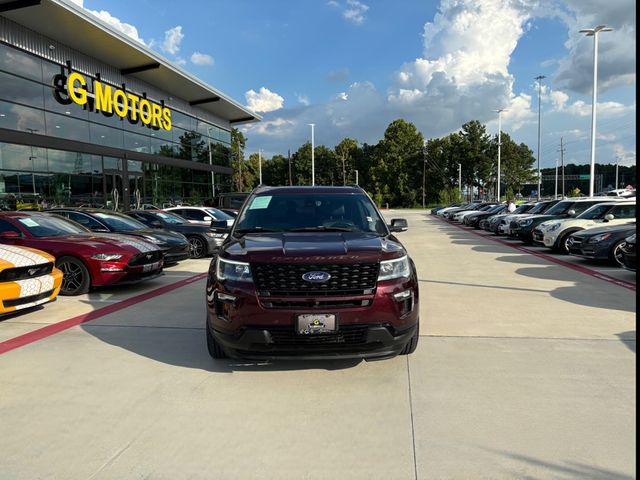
(289, 158)
(460, 178)
(555, 195)
(562, 149)
(424, 170)
(539, 79)
(499, 145)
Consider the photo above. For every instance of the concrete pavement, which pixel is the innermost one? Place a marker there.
(525, 369)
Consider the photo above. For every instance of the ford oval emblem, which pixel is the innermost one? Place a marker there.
(316, 277)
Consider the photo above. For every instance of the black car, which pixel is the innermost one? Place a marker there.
(202, 241)
(175, 246)
(499, 224)
(629, 253)
(473, 219)
(601, 243)
(471, 206)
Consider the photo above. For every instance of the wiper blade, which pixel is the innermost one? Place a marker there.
(321, 228)
(255, 230)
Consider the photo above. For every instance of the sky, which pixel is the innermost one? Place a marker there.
(351, 67)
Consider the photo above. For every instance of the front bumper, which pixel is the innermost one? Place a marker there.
(348, 342)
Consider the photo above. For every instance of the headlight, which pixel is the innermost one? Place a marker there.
(552, 227)
(232, 270)
(106, 257)
(599, 238)
(152, 240)
(526, 222)
(396, 268)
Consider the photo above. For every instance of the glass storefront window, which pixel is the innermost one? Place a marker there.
(135, 142)
(72, 110)
(107, 136)
(72, 162)
(20, 63)
(181, 120)
(22, 157)
(64, 126)
(18, 117)
(16, 89)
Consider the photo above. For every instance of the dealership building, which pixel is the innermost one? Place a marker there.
(89, 116)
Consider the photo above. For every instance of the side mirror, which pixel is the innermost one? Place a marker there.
(571, 212)
(220, 226)
(10, 235)
(398, 225)
(608, 217)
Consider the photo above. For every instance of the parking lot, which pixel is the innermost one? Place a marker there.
(525, 369)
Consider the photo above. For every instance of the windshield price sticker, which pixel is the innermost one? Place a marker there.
(260, 203)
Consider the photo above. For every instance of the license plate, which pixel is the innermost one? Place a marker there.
(314, 323)
(150, 267)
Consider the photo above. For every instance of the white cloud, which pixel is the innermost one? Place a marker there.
(126, 28)
(303, 99)
(180, 61)
(583, 109)
(352, 10)
(264, 100)
(172, 39)
(201, 59)
(278, 127)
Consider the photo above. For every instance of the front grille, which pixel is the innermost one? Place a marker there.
(145, 258)
(286, 279)
(574, 242)
(25, 273)
(315, 304)
(16, 302)
(538, 235)
(347, 335)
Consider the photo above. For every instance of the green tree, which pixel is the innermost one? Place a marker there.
(346, 151)
(238, 143)
(516, 163)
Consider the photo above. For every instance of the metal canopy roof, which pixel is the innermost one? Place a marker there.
(73, 26)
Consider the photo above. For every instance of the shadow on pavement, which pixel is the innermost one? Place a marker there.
(629, 339)
(558, 470)
(186, 347)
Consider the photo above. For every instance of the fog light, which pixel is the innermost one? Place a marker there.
(399, 297)
(224, 304)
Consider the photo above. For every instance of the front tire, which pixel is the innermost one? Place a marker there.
(76, 279)
(197, 247)
(214, 348)
(562, 246)
(412, 344)
(615, 257)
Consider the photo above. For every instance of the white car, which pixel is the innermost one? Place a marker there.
(555, 233)
(442, 211)
(201, 215)
(459, 216)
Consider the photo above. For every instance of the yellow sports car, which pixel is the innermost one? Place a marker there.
(28, 278)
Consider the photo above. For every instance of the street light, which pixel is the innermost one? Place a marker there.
(424, 170)
(539, 79)
(260, 165)
(313, 166)
(593, 32)
(499, 111)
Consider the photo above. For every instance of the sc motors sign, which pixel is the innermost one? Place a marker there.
(109, 100)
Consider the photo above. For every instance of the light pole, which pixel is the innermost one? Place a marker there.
(593, 32)
(539, 79)
(617, 161)
(356, 177)
(424, 170)
(313, 165)
(32, 158)
(460, 178)
(213, 184)
(499, 145)
(260, 165)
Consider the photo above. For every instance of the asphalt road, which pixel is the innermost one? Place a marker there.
(525, 369)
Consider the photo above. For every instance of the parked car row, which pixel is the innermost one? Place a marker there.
(68, 251)
(597, 228)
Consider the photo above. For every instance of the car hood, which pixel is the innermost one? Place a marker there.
(162, 235)
(104, 242)
(313, 247)
(626, 229)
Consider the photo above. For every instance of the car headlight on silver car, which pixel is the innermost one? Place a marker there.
(396, 268)
(233, 270)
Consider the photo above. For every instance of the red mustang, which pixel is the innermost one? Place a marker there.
(87, 259)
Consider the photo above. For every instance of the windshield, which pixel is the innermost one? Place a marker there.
(171, 218)
(496, 208)
(120, 223)
(310, 212)
(218, 214)
(523, 208)
(50, 226)
(560, 208)
(597, 211)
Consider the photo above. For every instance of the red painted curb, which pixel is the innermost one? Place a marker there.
(577, 268)
(54, 328)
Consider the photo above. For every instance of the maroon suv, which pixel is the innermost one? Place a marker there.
(311, 272)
